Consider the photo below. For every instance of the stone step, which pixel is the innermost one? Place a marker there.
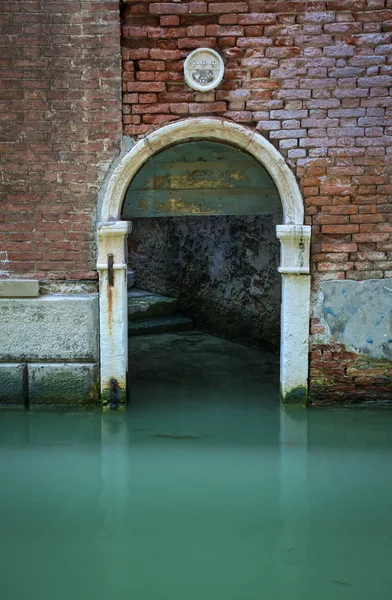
(145, 305)
(169, 324)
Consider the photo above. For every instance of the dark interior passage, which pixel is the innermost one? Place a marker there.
(222, 270)
(204, 218)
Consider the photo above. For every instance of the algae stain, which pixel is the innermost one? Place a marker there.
(298, 395)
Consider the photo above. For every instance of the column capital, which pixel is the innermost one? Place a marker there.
(113, 228)
(112, 236)
(295, 248)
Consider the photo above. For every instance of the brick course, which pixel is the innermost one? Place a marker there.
(60, 114)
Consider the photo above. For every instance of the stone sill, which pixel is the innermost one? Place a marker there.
(19, 288)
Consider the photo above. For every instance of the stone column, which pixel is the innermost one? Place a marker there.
(295, 315)
(113, 317)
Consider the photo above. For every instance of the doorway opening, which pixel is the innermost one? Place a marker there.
(204, 216)
(204, 255)
(204, 196)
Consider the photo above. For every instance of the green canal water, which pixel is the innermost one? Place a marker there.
(204, 489)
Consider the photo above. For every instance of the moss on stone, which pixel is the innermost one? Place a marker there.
(63, 387)
(298, 395)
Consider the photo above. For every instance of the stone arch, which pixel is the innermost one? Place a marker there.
(293, 235)
(205, 128)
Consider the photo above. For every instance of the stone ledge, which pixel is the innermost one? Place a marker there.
(19, 288)
(49, 329)
(49, 384)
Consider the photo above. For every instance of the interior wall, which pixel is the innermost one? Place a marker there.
(223, 269)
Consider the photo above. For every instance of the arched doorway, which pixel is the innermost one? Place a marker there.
(204, 216)
(294, 267)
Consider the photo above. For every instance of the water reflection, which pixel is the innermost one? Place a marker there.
(196, 494)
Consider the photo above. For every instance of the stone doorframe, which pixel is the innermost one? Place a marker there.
(293, 234)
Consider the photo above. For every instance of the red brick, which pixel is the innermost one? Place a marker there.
(222, 30)
(252, 42)
(196, 31)
(228, 19)
(152, 65)
(147, 98)
(227, 7)
(151, 108)
(256, 19)
(159, 118)
(169, 21)
(323, 219)
(197, 7)
(341, 209)
(340, 229)
(339, 247)
(346, 266)
(368, 218)
(146, 87)
(168, 8)
(207, 107)
(206, 42)
(371, 237)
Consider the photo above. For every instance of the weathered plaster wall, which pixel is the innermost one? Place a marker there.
(352, 348)
(223, 270)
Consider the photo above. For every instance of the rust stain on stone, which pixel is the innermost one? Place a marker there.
(110, 309)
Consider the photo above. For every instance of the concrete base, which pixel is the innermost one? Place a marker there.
(62, 384)
(49, 350)
(53, 328)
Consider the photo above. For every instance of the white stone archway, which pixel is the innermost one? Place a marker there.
(293, 235)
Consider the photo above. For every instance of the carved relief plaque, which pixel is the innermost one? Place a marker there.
(203, 69)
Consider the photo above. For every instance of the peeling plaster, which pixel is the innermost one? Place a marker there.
(357, 314)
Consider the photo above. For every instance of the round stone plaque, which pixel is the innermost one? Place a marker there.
(203, 69)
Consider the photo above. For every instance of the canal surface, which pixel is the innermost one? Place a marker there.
(204, 489)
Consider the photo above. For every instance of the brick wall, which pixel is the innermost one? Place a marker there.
(313, 77)
(60, 115)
